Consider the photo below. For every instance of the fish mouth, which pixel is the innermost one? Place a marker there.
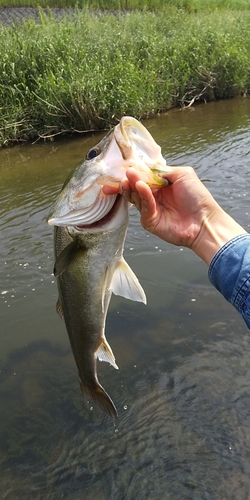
(139, 150)
(106, 221)
(85, 215)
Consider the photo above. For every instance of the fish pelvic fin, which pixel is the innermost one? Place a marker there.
(99, 396)
(125, 283)
(59, 309)
(104, 353)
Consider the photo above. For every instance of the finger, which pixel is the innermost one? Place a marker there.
(125, 190)
(110, 189)
(147, 203)
(177, 173)
(133, 176)
(136, 200)
(125, 186)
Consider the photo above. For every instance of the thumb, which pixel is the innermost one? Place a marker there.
(175, 174)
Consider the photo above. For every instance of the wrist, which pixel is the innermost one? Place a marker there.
(216, 230)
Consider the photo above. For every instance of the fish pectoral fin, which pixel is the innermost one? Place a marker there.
(104, 353)
(59, 309)
(66, 257)
(125, 283)
(99, 396)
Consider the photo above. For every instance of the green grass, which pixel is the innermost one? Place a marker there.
(86, 71)
(188, 5)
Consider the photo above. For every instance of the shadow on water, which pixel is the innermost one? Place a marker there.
(183, 387)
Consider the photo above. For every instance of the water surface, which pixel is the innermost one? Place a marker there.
(183, 387)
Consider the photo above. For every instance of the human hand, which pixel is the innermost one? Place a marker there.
(184, 213)
(174, 213)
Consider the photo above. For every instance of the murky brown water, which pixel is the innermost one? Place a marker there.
(183, 388)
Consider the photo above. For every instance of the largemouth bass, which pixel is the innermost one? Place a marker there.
(90, 230)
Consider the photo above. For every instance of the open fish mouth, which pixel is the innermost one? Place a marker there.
(88, 216)
(106, 219)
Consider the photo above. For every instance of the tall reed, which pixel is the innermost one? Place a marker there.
(188, 5)
(86, 71)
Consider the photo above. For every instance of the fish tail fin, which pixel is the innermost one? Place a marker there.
(99, 396)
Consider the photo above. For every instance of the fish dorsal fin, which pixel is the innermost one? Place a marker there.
(59, 309)
(104, 353)
(125, 283)
(66, 257)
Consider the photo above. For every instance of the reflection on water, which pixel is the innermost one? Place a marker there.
(183, 388)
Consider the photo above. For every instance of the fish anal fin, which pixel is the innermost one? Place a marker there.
(125, 283)
(104, 353)
(59, 309)
(98, 395)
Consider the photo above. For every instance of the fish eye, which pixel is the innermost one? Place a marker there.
(93, 152)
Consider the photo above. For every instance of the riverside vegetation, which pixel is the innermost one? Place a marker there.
(84, 71)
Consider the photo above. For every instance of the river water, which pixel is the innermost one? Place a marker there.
(183, 386)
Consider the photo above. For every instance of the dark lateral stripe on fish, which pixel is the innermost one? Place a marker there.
(98, 395)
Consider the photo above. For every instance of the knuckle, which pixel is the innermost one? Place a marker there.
(191, 171)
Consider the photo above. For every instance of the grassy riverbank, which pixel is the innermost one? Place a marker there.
(84, 72)
(188, 5)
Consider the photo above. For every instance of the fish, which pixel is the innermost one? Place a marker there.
(89, 234)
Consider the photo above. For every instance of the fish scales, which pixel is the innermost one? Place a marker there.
(81, 287)
(90, 230)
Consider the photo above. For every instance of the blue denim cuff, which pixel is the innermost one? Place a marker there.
(229, 272)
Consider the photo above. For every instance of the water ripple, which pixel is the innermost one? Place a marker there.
(183, 386)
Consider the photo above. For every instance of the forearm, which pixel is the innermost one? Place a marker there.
(216, 230)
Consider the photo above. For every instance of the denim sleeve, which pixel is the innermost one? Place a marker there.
(229, 272)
